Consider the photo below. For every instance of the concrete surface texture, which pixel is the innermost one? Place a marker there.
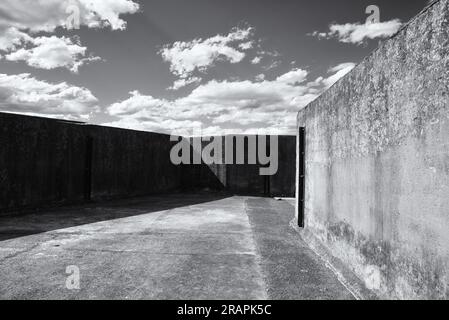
(166, 247)
(377, 163)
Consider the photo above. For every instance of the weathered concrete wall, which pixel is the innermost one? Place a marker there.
(377, 163)
(47, 162)
(131, 163)
(245, 179)
(43, 162)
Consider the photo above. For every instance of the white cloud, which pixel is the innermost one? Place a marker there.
(198, 55)
(342, 66)
(338, 72)
(26, 95)
(246, 45)
(11, 38)
(36, 16)
(180, 83)
(256, 60)
(260, 77)
(243, 106)
(293, 77)
(52, 52)
(357, 33)
(20, 19)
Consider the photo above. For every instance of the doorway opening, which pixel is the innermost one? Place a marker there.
(301, 175)
(88, 169)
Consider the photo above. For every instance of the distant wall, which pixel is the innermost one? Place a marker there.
(45, 162)
(245, 179)
(377, 163)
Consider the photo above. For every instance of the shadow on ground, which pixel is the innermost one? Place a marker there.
(15, 225)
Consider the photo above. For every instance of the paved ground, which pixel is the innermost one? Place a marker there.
(178, 247)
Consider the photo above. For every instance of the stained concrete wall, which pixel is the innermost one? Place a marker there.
(44, 162)
(47, 162)
(377, 163)
(41, 162)
(245, 179)
(131, 163)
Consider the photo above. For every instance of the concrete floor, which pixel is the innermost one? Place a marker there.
(177, 247)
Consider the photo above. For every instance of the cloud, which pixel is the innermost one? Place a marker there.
(11, 38)
(186, 58)
(337, 73)
(342, 66)
(293, 77)
(356, 33)
(228, 106)
(36, 16)
(52, 52)
(178, 84)
(26, 95)
(256, 60)
(20, 20)
(259, 77)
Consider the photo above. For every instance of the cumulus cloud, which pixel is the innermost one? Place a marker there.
(228, 106)
(356, 33)
(295, 76)
(52, 52)
(186, 58)
(25, 94)
(180, 83)
(256, 60)
(20, 20)
(11, 38)
(36, 16)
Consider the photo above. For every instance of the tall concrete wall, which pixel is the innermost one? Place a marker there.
(47, 162)
(131, 163)
(377, 163)
(41, 162)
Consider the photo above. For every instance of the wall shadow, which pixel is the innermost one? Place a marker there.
(26, 224)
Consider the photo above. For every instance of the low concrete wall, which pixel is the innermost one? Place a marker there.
(377, 163)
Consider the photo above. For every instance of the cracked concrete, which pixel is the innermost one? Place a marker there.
(173, 247)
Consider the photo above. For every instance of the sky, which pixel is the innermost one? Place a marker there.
(185, 67)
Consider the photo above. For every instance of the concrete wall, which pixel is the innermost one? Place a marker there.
(245, 179)
(41, 162)
(45, 162)
(131, 163)
(377, 163)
